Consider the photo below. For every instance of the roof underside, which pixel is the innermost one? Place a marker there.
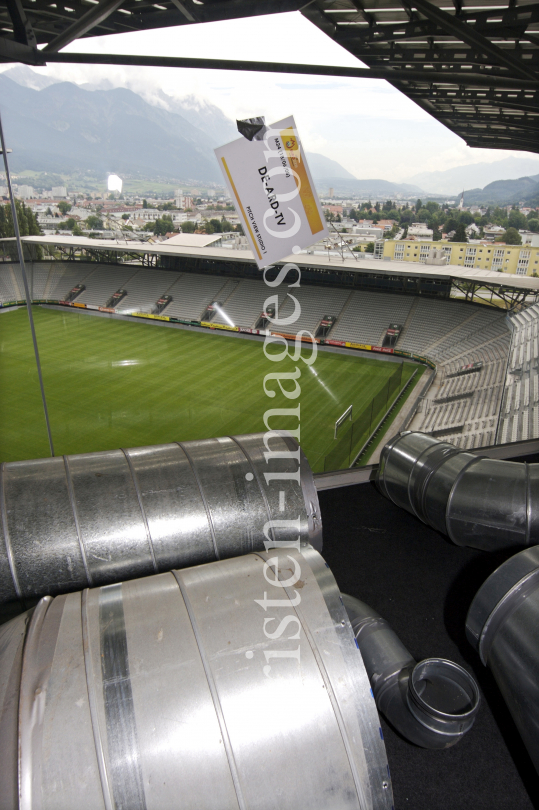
(389, 268)
(473, 65)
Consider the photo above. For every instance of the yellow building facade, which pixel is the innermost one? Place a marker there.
(522, 260)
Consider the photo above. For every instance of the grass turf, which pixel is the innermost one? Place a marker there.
(112, 383)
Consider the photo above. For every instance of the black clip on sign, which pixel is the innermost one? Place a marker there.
(253, 129)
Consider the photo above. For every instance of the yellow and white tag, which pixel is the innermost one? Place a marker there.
(273, 192)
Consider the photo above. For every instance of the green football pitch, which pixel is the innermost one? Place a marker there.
(112, 383)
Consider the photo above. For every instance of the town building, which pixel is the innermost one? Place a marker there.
(420, 230)
(25, 192)
(522, 260)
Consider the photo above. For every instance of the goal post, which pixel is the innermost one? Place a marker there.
(338, 422)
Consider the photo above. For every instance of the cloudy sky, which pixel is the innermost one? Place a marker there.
(366, 125)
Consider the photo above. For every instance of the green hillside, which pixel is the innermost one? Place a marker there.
(113, 384)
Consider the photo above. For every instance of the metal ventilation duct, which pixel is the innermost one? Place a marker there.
(479, 502)
(502, 625)
(432, 703)
(228, 685)
(92, 519)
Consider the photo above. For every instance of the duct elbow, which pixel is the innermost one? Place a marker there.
(488, 504)
(432, 703)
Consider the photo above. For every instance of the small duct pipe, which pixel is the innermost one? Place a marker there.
(503, 627)
(432, 703)
(236, 684)
(78, 521)
(484, 503)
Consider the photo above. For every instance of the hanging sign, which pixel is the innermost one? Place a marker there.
(270, 183)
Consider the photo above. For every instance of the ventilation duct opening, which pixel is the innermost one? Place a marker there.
(433, 703)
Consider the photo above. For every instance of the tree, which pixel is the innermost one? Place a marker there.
(94, 223)
(161, 226)
(512, 237)
(460, 233)
(144, 203)
(466, 218)
(432, 206)
(239, 228)
(188, 226)
(450, 225)
(28, 226)
(77, 230)
(369, 247)
(436, 235)
(517, 220)
(418, 205)
(406, 216)
(533, 224)
(215, 225)
(64, 207)
(125, 217)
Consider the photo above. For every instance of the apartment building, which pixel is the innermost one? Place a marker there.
(522, 260)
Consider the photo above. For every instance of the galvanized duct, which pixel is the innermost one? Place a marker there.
(479, 502)
(502, 625)
(432, 704)
(228, 685)
(91, 519)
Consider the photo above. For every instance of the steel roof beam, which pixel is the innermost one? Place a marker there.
(478, 80)
(93, 17)
(22, 28)
(463, 31)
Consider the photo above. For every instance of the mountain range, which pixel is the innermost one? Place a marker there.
(63, 127)
(475, 175)
(505, 192)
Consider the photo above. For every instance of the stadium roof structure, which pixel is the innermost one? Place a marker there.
(513, 290)
(471, 64)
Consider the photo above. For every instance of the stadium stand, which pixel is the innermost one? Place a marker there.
(101, 283)
(466, 407)
(144, 289)
(63, 279)
(192, 294)
(462, 408)
(314, 306)
(9, 289)
(519, 418)
(368, 314)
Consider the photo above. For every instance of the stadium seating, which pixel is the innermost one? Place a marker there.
(368, 314)
(145, 288)
(103, 281)
(519, 418)
(192, 294)
(314, 305)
